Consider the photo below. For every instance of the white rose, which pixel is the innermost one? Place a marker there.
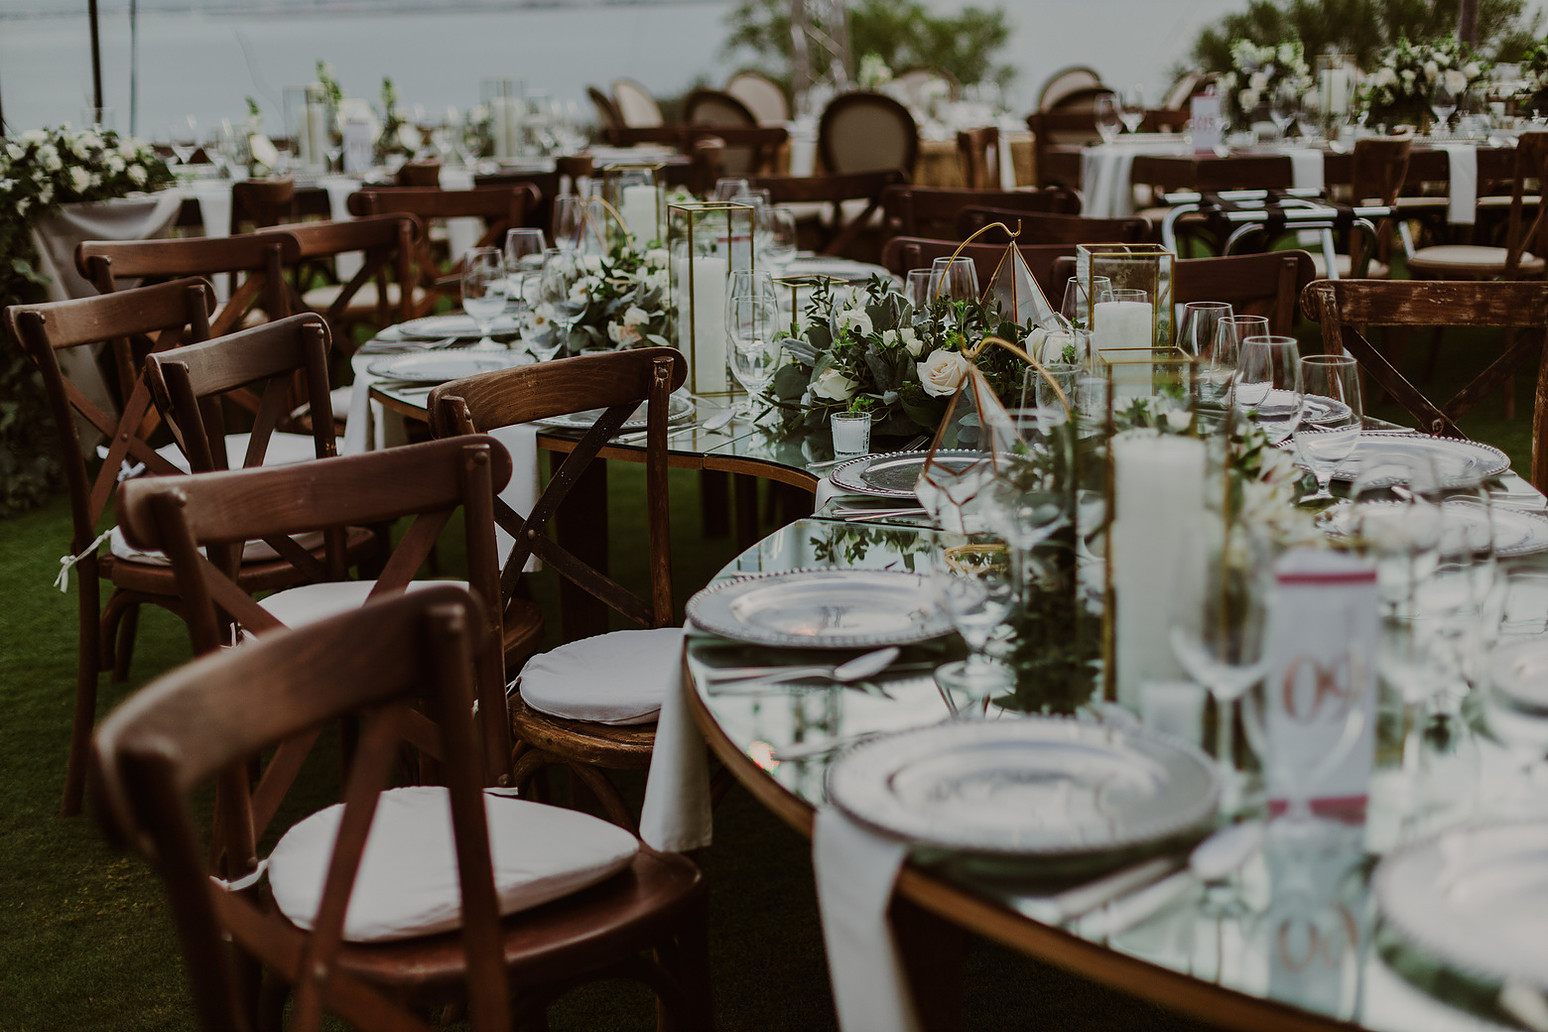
(592, 263)
(834, 385)
(941, 374)
(1258, 81)
(623, 334)
(115, 164)
(1471, 70)
(14, 152)
(80, 179)
(1386, 77)
(1287, 53)
(658, 280)
(21, 205)
(46, 193)
(137, 175)
(129, 150)
(855, 319)
(1431, 70)
(1456, 81)
(911, 341)
(1248, 99)
(34, 136)
(48, 157)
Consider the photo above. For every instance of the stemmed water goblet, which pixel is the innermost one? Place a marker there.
(1105, 111)
(1516, 714)
(972, 580)
(568, 218)
(753, 326)
(782, 240)
(524, 250)
(1327, 433)
(558, 288)
(184, 138)
(1268, 384)
(955, 279)
(483, 293)
(728, 187)
(1219, 362)
(1284, 106)
(1132, 109)
(1443, 103)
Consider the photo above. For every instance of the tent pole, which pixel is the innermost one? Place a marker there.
(96, 59)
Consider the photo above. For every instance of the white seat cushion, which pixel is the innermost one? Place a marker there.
(1469, 254)
(338, 401)
(407, 885)
(615, 678)
(1374, 270)
(308, 603)
(252, 551)
(283, 450)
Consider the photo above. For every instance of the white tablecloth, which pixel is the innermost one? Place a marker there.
(1106, 172)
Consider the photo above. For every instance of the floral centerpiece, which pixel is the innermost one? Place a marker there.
(875, 353)
(1533, 97)
(1402, 88)
(1258, 73)
(41, 169)
(398, 136)
(624, 297)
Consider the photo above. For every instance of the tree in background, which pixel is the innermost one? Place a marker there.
(903, 34)
(1364, 28)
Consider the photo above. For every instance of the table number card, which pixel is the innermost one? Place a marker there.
(1321, 683)
(1204, 110)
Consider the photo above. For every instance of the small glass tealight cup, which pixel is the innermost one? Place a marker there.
(851, 434)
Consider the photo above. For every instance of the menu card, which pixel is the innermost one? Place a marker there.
(1320, 711)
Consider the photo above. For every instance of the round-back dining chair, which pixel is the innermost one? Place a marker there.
(867, 132)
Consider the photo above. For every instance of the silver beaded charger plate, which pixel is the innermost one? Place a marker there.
(1036, 787)
(821, 609)
(436, 366)
(1516, 533)
(894, 474)
(454, 324)
(1474, 897)
(678, 409)
(1456, 461)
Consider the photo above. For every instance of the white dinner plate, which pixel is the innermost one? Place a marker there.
(824, 609)
(1040, 786)
(1456, 461)
(1474, 897)
(893, 474)
(454, 324)
(678, 409)
(436, 367)
(1516, 533)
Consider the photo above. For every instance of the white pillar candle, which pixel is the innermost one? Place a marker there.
(703, 339)
(499, 127)
(638, 208)
(1121, 324)
(1158, 483)
(316, 133)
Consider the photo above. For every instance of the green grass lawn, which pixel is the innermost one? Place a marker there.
(85, 941)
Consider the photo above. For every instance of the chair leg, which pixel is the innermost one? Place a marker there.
(123, 651)
(88, 666)
(690, 968)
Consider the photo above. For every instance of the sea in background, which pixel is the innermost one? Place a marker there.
(205, 61)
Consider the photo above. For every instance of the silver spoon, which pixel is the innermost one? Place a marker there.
(858, 669)
(710, 425)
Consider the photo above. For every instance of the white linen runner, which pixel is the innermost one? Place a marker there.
(1462, 206)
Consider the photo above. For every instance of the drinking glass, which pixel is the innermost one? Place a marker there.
(1394, 520)
(524, 249)
(1132, 109)
(1199, 326)
(1444, 103)
(782, 245)
(1327, 433)
(955, 279)
(1268, 384)
(1220, 356)
(1283, 107)
(728, 187)
(916, 287)
(562, 271)
(753, 325)
(1516, 714)
(1074, 307)
(184, 138)
(1105, 111)
(569, 216)
(483, 293)
(1052, 390)
(971, 579)
(751, 282)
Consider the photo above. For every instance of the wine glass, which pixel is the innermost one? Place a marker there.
(1516, 714)
(1268, 384)
(1221, 641)
(562, 274)
(483, 293)
(955, 279)
(971, 579)
(1443, 103)
(1220, 359)
(749, 282)
(1075, 307)
(782, 245)
(184, 138)
(1200, 325)
(1105, 111)
(524, 249)
(1331, 416)
(1131, 109)
(1284, 105)
(753, 326)
(728, 187)
(569, 216)
(916, 288)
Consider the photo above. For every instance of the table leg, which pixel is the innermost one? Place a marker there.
(582, 531)
(713, 507)
(932, 950)
(746, 491)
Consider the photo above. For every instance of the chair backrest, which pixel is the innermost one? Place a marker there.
(188, 383)
(261, 257)
(763, 97)
(389, 244)
(1065, 83)
(1344, 307)
(1059, 128)
(1531, 165)
(210, 720)
(932, 211)
(618, 383)
(716, 107)
(834, 190)
(132, 322)
(635, 105)
(501, 207)
(1182, 91)
(261, 203)
(867, 132)
(1378, 168)
(549, 185)
(1052, 228)
(904, 253)
(608, 116)
(419, 173)
(978, 158)
(1267, 284)
(916, 85)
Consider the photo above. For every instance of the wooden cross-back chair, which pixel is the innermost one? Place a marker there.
(132, 321)
(617, 383)
(500, 207)
(855, 199)
(1051, 128)
(1344, 307)
(928, 211)
(861, 131)
(263, 203)
(978, 158)
(374, 295)
(400, 670)
(1267, 284)
(1525, 254)
(1052, 227)
(904, 253)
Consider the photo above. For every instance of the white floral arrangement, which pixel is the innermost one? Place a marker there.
(1402, 87)
(43, 168)
(873, 72)
(1259, 72)
(626, 299)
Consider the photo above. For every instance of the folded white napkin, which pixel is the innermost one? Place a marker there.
(1305, 168)
(363, 429)
(856, 869)
(676, 814)
(1462, 207)
(461, 234)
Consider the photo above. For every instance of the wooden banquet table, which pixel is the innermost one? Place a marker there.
(1249, 968)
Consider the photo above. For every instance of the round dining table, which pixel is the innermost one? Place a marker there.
(1295, 945)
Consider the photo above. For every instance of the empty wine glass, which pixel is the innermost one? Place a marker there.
(971, 579)
(955, 279)
(558, 288)
(1199, 325)
(1221, 357)
(916, 288)
(1443, 103)
(1331, 416)
(1284, 106)
(184, 138)
(1105, 111)
(1076, 306)
(1131, 109)
(753, 326)
(728, 187)
(782, 242)
(1516, 713)
(569, 216)
(524, 248)
(1268, 384)
(483, 293)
